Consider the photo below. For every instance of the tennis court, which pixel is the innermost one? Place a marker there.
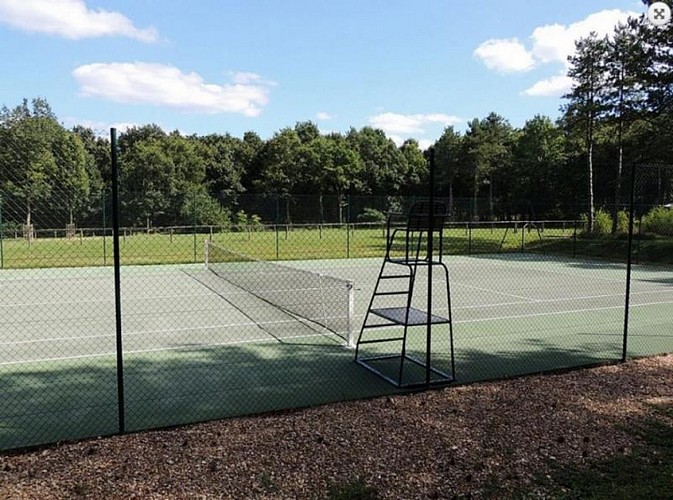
(198, 347)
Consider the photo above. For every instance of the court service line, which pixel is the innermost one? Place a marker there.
(580, 274)
(106, 301)
(163, 331)
(495, 292)
(564, 299)
(160, 349)
(556, 313)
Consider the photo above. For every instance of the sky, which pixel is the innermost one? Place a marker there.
(408, 67)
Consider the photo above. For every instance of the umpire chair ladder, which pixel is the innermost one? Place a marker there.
(422, 222)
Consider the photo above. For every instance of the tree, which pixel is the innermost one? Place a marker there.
(448, 160)
(71, 185)
(146, 181)
(223, 174)
(625, 64)
(307, 131)
(587, 101)
(488, 149)
(383, 165)
(28, 165)
(280, 166)
(134, 135)
(246, 158)
(538, 166)
(330, 166)
(657, 80)
(416, 171)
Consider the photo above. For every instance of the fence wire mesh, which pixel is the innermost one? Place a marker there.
(527, 295)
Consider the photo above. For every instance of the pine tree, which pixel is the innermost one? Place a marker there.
(587, 101)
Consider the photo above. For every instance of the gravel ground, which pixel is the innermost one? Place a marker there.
(466, 440)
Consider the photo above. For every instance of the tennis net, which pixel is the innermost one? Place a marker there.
(313, 296)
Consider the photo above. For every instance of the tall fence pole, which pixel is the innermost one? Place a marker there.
(629, 261)
(194, 224)
(104, 229)
(431, 244)
(2, 253)
(117, 280)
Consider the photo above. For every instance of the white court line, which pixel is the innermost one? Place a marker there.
(495, 291)
(141, 351)
(556, 313)
(564, 299)
(108, 301)
(580, 274)
(165, 331)
(161, 349)
(56, 303)
(55, 339)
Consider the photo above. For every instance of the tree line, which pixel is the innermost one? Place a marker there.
(618, 113)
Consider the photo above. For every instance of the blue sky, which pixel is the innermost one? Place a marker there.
(214, 66)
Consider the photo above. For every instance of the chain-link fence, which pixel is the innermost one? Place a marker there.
(253, 304)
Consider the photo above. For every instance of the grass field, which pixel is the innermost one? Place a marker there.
(286, 243)
(315, 242)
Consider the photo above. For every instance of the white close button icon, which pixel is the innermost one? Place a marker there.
(659, 13)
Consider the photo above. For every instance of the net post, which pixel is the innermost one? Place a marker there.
(351, 315)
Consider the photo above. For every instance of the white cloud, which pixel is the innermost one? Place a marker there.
(70, 19)
(245, 78)
(396, 139)
(322, 115)
(164, 85)
(424, 144)
(505, 56)
(555, 86)
(552, 43)
(555, 42)
(395, 123)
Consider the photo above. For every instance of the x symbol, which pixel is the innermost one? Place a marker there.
(659, 14)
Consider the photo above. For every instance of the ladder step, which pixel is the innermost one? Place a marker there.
(405, 292)
(377, 341)
(380, 325)
(394, 276)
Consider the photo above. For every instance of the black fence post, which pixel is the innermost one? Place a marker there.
(104, 229)
(348, 241)
(117, 280)
(277, 241)
(431, 244)
(2, 253)
(194, 224)
(629, 259)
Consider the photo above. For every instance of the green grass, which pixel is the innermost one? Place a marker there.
(645, 472)
(290, 244)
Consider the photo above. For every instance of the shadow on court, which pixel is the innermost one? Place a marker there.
(67, 400)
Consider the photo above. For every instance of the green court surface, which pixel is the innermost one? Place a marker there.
(197, 348)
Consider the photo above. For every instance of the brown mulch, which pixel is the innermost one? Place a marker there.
(468, 440)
